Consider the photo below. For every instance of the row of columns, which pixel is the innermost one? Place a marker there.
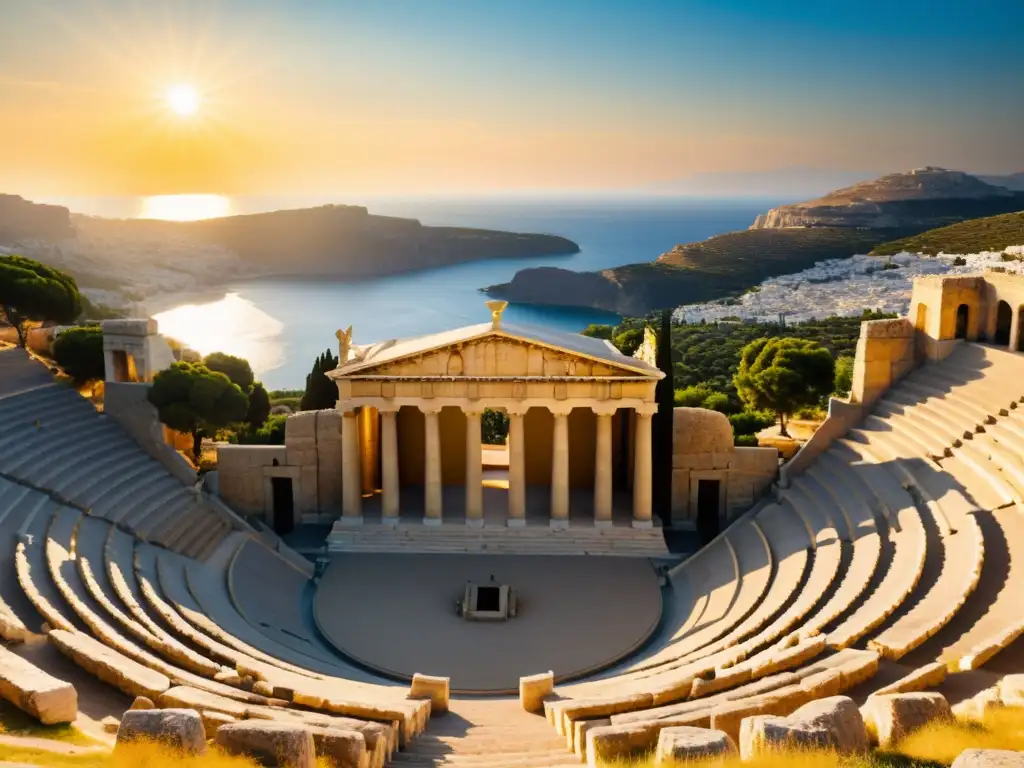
(603, 472)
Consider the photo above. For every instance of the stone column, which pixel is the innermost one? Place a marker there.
(474, 469)
(351, 479)
(642, 471)
(432, 477)
(516, 468)
(1014, 329)
(560, 470)
(603, 467)
(389, 465)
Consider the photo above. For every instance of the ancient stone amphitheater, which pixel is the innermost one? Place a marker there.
(890, 558)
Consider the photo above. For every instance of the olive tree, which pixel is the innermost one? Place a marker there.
(33, 292)
(193, 399)
(784, 374)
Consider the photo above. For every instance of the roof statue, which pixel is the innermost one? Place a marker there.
(344, 343)
(496, 307)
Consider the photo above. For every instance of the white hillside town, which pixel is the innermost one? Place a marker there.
(845, 287)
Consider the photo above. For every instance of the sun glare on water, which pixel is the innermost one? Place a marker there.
(185, 207)
(232, 325)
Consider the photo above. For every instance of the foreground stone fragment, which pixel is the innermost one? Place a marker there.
(32, 690)
(834, 723)
(271, 743)
(142, 702)
(989, 758)
(533, 689)
(896, 716)
(684, 744)
(346, 749)
(430, 687)
(180, 729)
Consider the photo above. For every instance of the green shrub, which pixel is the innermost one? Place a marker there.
(746, 441)
(750, 422)
(843, 382)
(717, 401)
(79, 351)
(270, 433)
(693, 396)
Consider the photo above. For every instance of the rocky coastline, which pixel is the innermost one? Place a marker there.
(853, 220)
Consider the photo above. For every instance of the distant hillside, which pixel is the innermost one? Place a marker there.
(992, 233)
(1014, 181)
(24, 220)
(921, 199)
(338, 241)
(714, 268)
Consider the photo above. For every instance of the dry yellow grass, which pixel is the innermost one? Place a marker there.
(787, 759)
(140, 755)
(942, 742)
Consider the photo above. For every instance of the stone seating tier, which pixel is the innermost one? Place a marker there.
(55, 441)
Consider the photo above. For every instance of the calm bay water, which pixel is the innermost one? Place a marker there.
(281, 325)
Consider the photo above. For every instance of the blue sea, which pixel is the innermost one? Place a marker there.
(282, 325)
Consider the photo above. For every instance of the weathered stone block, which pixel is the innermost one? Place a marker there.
(32, 690)
(895, 716)
(989, 758)
(684, 744)
(344, 748)
(180, 729)
(437, 689)
(533, 689)
(921, 679)
(272, 743)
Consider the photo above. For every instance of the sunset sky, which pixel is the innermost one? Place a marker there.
(418, 96)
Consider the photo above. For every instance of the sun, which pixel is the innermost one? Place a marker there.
(183, 100)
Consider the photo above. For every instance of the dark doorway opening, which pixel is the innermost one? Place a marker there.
(284, 507)
(1004, 318)
(1018, 343)
(961, 322)
(708, 493)
(488, 599)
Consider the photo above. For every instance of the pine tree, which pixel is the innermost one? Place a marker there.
(662, 428)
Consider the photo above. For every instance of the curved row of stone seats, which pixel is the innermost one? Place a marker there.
(621, 735)
(84, 607)
(17, 615)
(335, 687)
(954, 541)
(55, 441)
(822, 525)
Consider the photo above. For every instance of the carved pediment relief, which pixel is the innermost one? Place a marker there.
(496, 357)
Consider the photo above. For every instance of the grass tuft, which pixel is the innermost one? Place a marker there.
(942, 742)
(14, 722)
(142, 754)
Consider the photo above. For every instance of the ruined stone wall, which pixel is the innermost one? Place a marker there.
(885, 354)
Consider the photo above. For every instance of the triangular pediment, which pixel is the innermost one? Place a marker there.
(485, 352)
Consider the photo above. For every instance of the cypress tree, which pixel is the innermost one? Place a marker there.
(662, 428)
(320, 392)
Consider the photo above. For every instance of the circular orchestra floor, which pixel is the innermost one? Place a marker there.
(397, 614)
